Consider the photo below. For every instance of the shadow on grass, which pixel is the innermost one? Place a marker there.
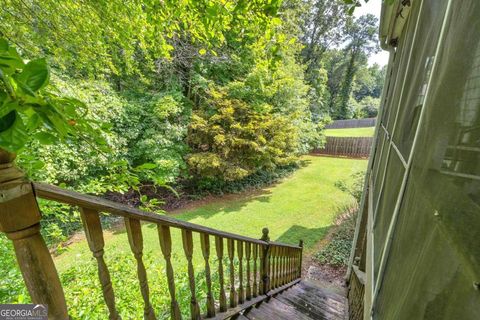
(229, 203)
(309, 236)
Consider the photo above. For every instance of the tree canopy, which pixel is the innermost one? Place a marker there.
(110, 96)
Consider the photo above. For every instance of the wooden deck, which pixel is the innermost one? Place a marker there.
(303, 301)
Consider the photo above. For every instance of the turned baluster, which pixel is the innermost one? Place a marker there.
(166, 246)
(222, 298)
(248, 258)
(278, 281)
(135, 238)
(241, 291)
(94, 235)
(265, 263)
(230, 249)
(255, 255)
(280, 266)
(295, 264)
(289, 264)
(187, 241)
(292, 263)
(205, 244)
(300, 256)
(274, 259)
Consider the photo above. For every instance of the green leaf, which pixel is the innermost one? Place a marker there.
(7, 107)
(45, 138)
(7, 121)
(35, 75)
(14, 138)
(146, 166)
(10, 61)
(3, 45)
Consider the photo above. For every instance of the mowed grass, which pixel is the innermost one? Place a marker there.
(350, 132)
(302, 206)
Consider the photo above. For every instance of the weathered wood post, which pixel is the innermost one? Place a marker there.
(265, 262)
(20, 220)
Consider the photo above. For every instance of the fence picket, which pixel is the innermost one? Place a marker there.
(355, 147)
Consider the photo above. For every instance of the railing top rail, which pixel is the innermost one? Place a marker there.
(74, 198)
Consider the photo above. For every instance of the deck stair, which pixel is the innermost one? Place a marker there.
(304, 300)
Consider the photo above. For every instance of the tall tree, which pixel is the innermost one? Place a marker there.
(324, 28)
(362, 41)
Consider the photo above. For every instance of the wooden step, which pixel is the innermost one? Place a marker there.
(303, 301)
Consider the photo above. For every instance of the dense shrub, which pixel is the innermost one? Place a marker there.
(231, 140)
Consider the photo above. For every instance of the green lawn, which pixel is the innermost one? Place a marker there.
(350, 132)
(302, 206)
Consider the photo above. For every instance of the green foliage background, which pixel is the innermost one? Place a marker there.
(217, 95)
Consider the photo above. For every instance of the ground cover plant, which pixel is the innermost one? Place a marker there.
(302, 206)
(336, 251)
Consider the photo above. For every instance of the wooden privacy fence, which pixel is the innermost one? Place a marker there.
(355, 147)
(351, 123)
(264, 267)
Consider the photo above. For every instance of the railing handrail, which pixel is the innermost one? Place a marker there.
(54, 193)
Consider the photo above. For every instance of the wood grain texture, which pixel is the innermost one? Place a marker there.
(241, 291)
(222, 299)
(255, 271)
(231, 255)
(187, 240)
(299, 300)
(355, 147)
(20, 221)
(54, 193)
(205, 244)
(275, 263)
(248, 257)
(135, 239)
(166, 247)
(94, 235)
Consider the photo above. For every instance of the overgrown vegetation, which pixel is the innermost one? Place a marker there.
(112, 97)
(300, 207)
(215, 96)
(336, 252)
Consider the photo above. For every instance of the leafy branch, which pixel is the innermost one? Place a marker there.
(28, 110)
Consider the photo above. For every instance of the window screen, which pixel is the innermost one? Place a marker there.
(386, 205)
(381, 161)
(405, 47)
(433, 263)
(418, 73)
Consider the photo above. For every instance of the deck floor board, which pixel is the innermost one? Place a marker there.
(303, 301)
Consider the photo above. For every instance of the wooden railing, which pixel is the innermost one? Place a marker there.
(264, 267)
